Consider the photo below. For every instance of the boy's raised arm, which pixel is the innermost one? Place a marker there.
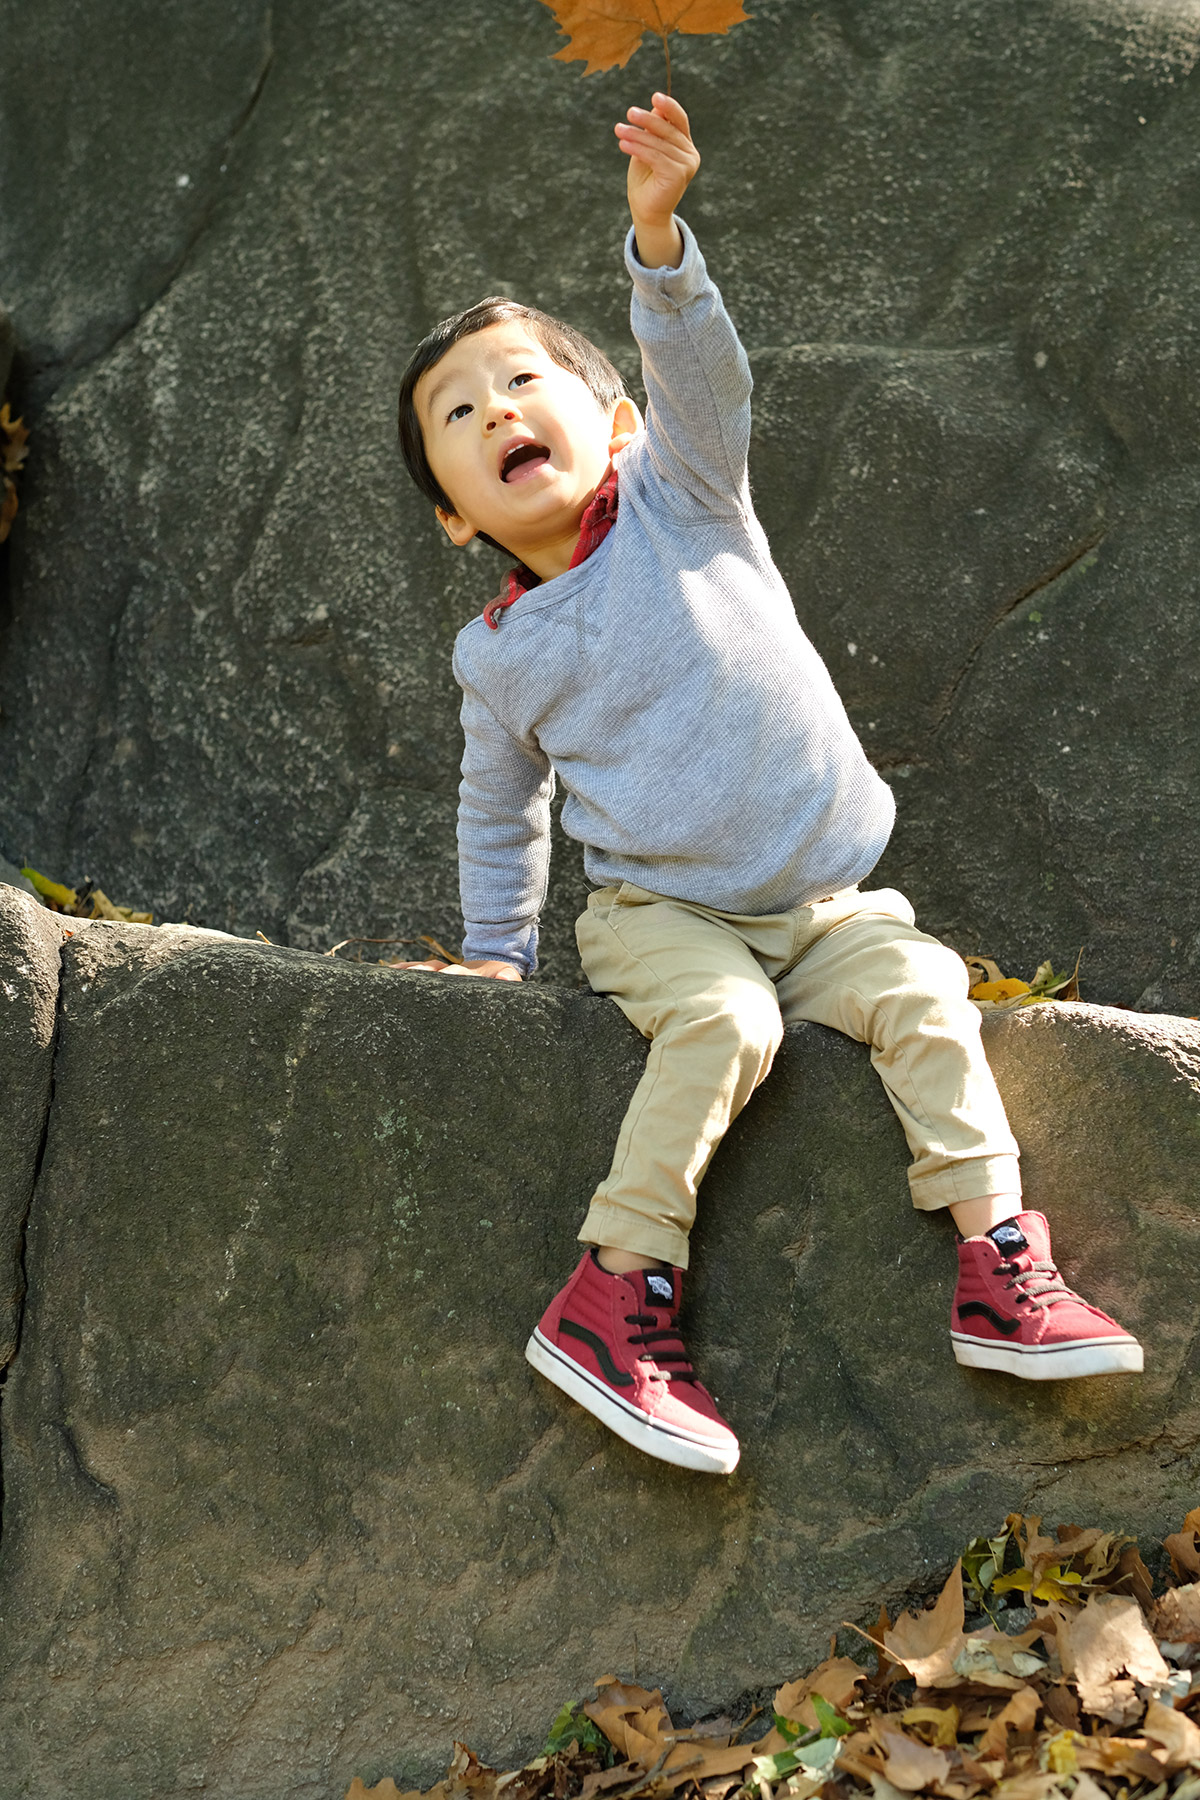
(696, 373)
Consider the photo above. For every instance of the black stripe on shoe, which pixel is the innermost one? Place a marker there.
(977, 1309)
(599, 1349)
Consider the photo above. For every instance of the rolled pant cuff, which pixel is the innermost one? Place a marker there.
(615, 1229)
(975, 1179)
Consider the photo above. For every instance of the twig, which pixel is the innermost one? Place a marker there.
(430, 942)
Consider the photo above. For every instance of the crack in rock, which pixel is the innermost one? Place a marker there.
(77, 366)
(1010, 606)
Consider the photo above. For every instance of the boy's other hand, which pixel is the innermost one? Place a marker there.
(495, 971)
(662, 160)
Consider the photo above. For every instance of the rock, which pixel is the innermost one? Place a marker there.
(6, 346)
(284, 1503)
(11, 876)
(29, 949)
(967, 285)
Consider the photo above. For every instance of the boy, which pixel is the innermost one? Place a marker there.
(646, 651)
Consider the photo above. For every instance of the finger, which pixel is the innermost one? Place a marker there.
(681, 156)
(656, 126)
(669, 161)
(669, 108)
(430, 965)
(458, 969)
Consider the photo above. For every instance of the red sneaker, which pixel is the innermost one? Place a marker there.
(1013, 1311)
(612, 1343)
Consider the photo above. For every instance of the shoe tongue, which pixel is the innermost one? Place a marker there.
(1008, 1238)
(659, 1287)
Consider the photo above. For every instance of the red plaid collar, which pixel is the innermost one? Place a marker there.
(594, 527)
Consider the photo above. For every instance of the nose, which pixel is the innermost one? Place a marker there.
(499, 411)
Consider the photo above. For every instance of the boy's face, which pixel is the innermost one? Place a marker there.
(518, 443)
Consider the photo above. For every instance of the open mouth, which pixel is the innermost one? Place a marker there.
(522, 461)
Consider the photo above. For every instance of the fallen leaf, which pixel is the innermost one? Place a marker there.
(605, 33)
(634, 1720)
(1019, 1715)
(1176, 1617)
(1059, 1755)
(910, 1765)
(54, 891)
(1106, 1637)
(835, 1680)
(1061, 1705)
(1011, 988)
(1131, 1576)
(1178, 1737)
(941, 1723)
(927, 1642)
(1122, 1757)
(1183, 1549)
(1033, 1786)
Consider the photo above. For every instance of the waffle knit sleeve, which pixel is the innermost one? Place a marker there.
(503, 837)
(697, 382)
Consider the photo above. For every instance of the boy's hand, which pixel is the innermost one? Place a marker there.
(497, 971)
(662, 160)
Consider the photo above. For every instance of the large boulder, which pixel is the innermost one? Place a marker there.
(282, 1500)
(961, 243)
(29, 950)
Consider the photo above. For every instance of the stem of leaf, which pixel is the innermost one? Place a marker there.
(667, 53)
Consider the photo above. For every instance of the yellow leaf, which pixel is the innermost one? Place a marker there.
(51, 890)
(1059, 1754)
(942, 1722)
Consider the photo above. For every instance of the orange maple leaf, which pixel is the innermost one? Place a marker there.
(605, 33)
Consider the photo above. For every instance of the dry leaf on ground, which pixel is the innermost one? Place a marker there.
(1176, 1617)
(1106, 1648)
(911, 1766)
(1019, 1714)
(1183, 1547)
(927, 1643)
(836, 1680)
(1172, 1733)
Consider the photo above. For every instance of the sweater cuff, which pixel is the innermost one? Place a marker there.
(491, 943)
(666, 290)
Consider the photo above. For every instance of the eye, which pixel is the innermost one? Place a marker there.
(520, 380)
(460, 411)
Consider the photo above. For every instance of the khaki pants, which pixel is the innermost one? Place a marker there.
(713, 992)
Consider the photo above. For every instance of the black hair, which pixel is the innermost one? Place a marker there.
(565, 346)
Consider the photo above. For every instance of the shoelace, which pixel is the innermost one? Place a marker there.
(1040, 1283)
(659, 1357)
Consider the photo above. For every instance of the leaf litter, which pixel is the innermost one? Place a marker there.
(1069, 1677)
(86, 902)
(989, 988)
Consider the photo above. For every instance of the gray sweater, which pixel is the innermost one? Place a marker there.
(666, 681)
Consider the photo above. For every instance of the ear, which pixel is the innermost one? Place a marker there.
(625, 424)
(455, 526)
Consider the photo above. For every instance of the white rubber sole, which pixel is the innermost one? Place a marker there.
(1091, 1356)
(669, 1444)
